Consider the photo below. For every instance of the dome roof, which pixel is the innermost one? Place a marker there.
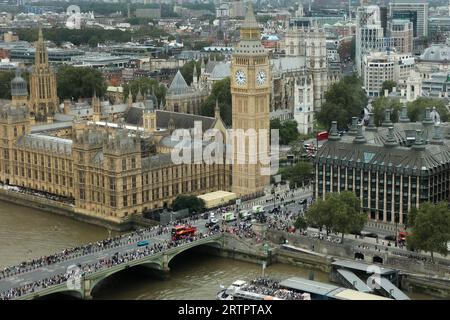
(18, 85)
(436, 53)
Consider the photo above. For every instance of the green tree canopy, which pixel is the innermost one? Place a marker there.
(288, 131)
(387, 85)
(416, 108)
(221, 92)
(347, 216)
(301, 223)
(339, 212)
(431, 228)
(344, 100)
(77, 83)
(298, 173)
(146, 85)
(187, 70)
(380, 104)
(190, 202)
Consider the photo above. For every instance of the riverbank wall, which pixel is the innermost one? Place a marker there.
(67, 210)
(417, 276)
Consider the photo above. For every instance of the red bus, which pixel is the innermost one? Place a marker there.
(323, 135)
(180, 232)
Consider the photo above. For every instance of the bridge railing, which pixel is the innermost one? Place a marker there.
(114, 267)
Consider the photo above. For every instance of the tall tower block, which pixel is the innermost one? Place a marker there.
(43, 97)
(250, 91)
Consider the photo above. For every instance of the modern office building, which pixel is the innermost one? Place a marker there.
(415, 11)
(401, 33)
(392, 169)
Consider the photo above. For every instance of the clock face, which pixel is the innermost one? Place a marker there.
(240, 77)
(261, 77)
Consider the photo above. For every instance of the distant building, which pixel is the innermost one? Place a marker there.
(401, 31)
(379, 67)
(415, 11)
(151, 13)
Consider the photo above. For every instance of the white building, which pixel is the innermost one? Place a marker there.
(379, 67)
(304, 104)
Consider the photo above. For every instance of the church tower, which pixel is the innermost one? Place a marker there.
(43, 97)
(316, 62)
(250, 91)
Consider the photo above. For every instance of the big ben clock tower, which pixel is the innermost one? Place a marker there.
(250, 91)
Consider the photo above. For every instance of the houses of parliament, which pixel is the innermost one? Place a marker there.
(116, 162)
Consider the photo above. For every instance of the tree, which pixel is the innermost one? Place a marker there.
(188, 68)
(77, 83)
(344, 100)
(431, 228)
(320, 213)
(380, 104)
(340, 212)
(191, 202)
(298, 173)
(301, 223)
(347, 215)
(222, 93)
(387, 85)
(416, 108)
(288, 131)
(146, 85)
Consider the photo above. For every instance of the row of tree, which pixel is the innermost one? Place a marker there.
(339, 212)
(72, 82)
(416, 108)
(90, 36)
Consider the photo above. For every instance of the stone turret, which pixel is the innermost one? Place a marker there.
(437, 135)
(404, 114)
(354, 127)
(387, 118)
(334, 135)
(418, 143)
(427, 121)
(359, 139)
(217, 110)
(390, 139)
(371, 126)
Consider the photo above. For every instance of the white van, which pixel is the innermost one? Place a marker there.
(257, 209)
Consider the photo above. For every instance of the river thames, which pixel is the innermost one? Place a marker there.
(27, 233)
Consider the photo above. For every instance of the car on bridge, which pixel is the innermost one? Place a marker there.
(143, 243)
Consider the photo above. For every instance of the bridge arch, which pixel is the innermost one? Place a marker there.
(213, 243)
(74, 294)
(377, 259)
(99, 278)
(359, 256)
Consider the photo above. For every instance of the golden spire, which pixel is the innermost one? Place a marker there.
(250, 28)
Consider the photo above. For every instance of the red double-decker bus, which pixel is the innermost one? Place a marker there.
(322, 135)
(181, 232)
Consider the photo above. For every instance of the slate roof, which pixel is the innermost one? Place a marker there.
(182, 120)
(178, 85)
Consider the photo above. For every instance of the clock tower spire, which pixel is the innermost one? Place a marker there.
(250, 92)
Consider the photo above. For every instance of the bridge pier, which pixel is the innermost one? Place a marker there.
(86, 290)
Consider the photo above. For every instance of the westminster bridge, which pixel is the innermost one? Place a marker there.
(78, 274)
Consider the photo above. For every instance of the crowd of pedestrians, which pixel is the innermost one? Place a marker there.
(116, 259)
(266, 286)
(90, 248)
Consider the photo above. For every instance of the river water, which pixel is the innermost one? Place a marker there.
(27, 233)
